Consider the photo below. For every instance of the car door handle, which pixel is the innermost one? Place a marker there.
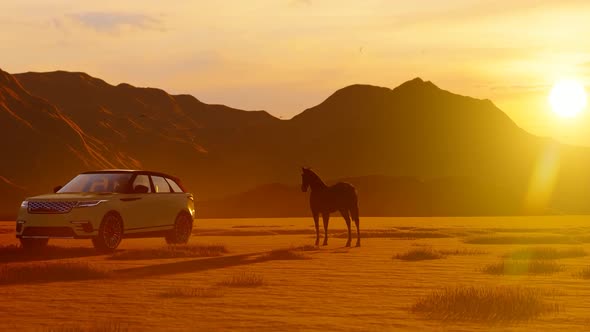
(130, 199)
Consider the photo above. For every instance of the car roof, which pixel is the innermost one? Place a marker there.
(134, 171)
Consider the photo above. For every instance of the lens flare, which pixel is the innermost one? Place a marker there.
(543, 180)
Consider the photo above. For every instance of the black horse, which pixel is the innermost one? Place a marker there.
(324, 200)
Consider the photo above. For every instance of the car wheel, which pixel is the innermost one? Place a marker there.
(183, 227)
(33, 244)
(110, 233)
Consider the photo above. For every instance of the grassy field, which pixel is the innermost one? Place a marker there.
(460, 274)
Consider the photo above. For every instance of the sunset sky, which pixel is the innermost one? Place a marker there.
(286, 55)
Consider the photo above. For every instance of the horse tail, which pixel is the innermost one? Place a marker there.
(354, 209)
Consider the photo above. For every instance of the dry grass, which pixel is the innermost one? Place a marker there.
(187, 292)
(514, 239)
(584, 273)
(546, 253)
(308, 247)
(107, 327)
(492, 304)
(244, 279)
(47, 272)
(232, 232)
(519, 267)
(396, 234)
(7, 230)
(419, 254)
(583, 238)
(285, 254)
(409, 233)
(14, 253)
(462, 252)
(172, 251)
(522, 230)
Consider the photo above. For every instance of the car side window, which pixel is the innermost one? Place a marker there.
(142, 180)
(175, 187)
(160, 185)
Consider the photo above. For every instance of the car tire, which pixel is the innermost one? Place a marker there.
(183, 227)
(33, 244)
(110, 233)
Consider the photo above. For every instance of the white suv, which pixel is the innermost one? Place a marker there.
(107, 206)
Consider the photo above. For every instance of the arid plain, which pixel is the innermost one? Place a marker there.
(462, 274)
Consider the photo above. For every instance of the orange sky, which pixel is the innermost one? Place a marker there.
(285, 56)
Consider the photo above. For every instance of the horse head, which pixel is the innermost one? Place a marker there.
(304, 179)
(309, 179)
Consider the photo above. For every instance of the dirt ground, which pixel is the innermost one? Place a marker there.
(334, 289)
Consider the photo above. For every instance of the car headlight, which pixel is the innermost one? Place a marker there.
(84, 204)
(24, 204)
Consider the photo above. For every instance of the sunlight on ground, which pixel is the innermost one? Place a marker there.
(448, 272)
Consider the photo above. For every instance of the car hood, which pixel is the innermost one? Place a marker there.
(72, 196)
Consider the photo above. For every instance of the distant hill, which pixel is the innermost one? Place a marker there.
(378, 196)
(54, 125)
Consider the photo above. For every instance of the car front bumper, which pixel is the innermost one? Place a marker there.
(72, 225)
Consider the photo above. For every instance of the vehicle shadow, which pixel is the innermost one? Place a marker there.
(197, 265)
(14, 253)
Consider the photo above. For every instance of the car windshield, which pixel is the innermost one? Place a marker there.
(98, 183)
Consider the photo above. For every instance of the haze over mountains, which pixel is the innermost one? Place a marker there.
(412, 150)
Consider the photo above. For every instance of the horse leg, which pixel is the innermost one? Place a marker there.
(326, 217)
(358, 233)
(346, 217)
(316, 220)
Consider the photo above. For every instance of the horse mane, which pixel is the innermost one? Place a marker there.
(314, 177)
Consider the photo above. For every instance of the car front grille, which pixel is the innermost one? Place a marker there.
(51, 206)
(48, 231)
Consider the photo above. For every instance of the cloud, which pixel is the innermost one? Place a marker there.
(474, 11)
(521, 87)
(296, 3)
(114, 21)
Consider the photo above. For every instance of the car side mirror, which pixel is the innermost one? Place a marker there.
(56, 189)
(140, 189)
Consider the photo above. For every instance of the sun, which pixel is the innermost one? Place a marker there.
(568, 98)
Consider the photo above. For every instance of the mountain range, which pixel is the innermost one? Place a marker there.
(412, 150)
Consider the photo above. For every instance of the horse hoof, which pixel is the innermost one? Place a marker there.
(358, 244)
(348, 244)
(325, 244)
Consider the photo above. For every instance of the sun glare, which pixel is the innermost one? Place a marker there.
(568, 98)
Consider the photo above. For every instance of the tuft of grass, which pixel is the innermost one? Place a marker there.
(172, 251)
(419, 254)
(244, 279)
(546, 253)
(493, 304)
(47, 272)
(285, 254)
(584, 273)
(308, 247)
(519, 267)
(510, 239)
(462, 252)
(187, 292)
